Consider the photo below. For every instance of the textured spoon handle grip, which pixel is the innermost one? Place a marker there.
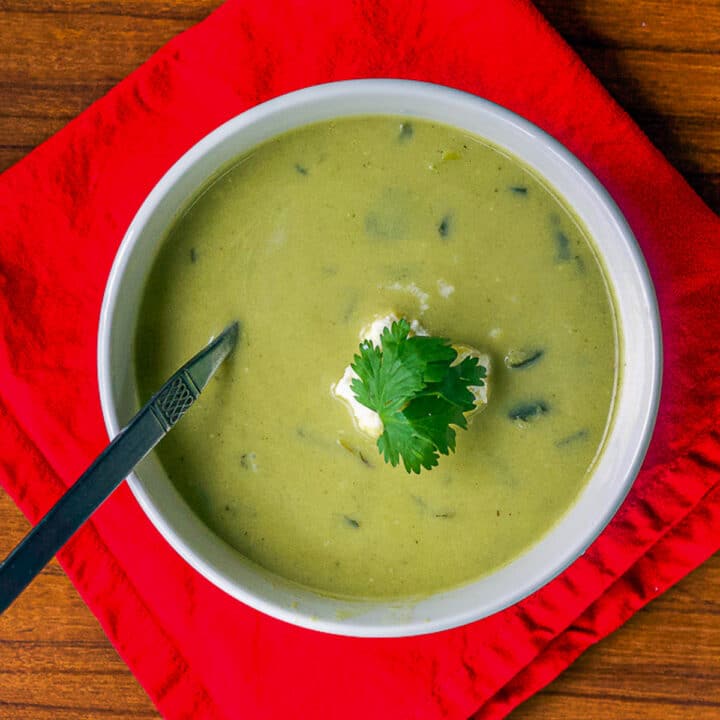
(174, 400)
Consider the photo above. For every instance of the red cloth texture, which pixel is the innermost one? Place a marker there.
(64, 209)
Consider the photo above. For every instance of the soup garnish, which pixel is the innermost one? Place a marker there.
(414, 384)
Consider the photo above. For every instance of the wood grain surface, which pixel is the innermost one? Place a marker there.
(660, 60)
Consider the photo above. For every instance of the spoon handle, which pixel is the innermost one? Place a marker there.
(77, 504)
(95, 485)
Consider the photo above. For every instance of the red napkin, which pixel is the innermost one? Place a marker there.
(64, 209)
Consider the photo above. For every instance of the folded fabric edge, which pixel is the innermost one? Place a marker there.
(697, 463)
(165, 49)
(624, 118)
(689, 544)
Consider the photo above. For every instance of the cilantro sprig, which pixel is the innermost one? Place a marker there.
(418, 392)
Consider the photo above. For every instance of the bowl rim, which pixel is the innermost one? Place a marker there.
(433, 93)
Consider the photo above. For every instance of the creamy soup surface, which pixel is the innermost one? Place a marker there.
(305, 240)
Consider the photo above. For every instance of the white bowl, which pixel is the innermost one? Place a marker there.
(639, 359)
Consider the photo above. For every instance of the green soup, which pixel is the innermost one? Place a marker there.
(305, 240)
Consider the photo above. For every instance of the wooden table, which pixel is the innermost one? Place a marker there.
(661, 61)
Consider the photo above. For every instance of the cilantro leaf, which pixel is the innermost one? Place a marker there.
(400, 440)
(388, 376)
(419, 392)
